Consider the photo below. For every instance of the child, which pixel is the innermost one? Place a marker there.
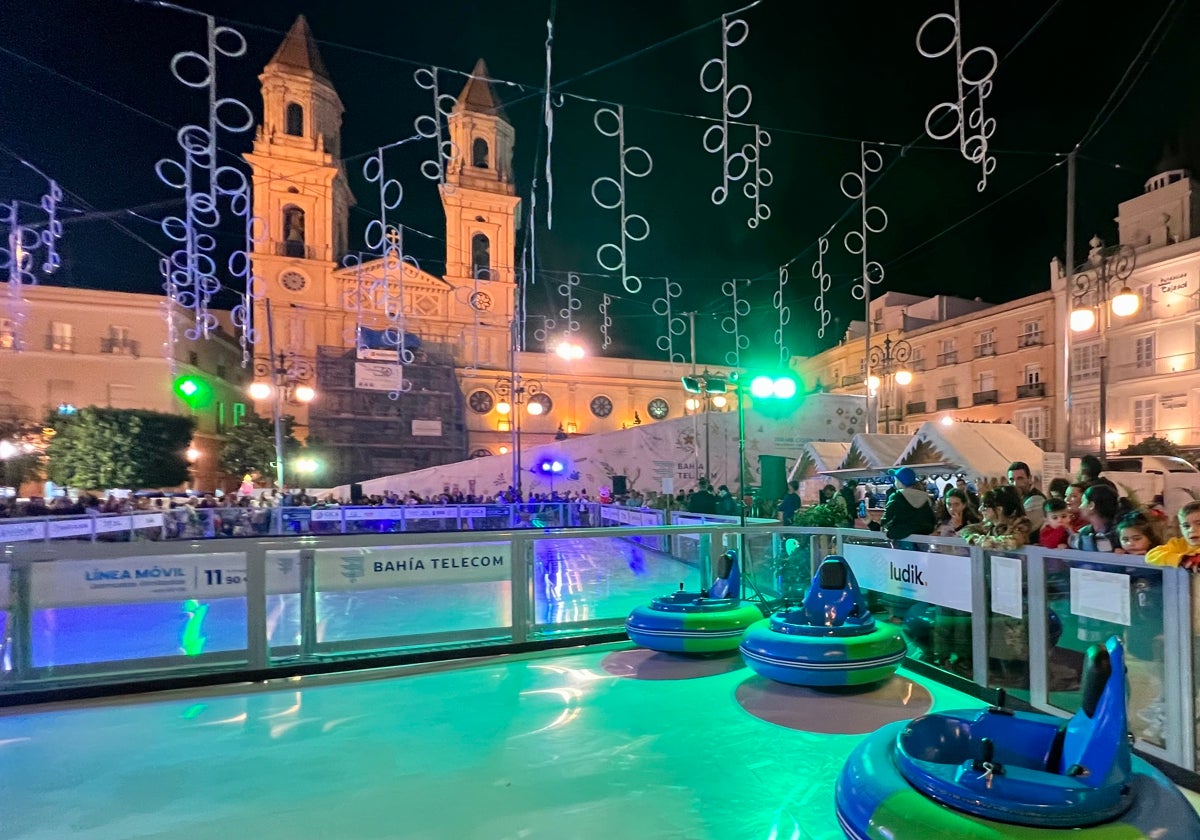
(1184, 551)
(1101, 507)
(1137, 535)
(1056, 533)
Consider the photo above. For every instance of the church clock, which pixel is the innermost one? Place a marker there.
(481, 402)
(293, 281)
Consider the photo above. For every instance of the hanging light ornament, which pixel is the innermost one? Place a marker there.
(640, 228)
(675, 326)
(973, 127)
(824, 281)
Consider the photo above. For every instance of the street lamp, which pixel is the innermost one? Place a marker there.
(281, 378)
(710, 387)
(889, 361)
(1105, 268)
(514, 392)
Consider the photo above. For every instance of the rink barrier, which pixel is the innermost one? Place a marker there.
(992, 610)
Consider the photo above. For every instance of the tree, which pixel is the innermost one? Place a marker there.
(1153, 445)
(249, 447)
(98, 448)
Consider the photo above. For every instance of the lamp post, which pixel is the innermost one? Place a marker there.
(515, 392)
(279, 378)
(710, 387)
(889, 361)
(1091, 285)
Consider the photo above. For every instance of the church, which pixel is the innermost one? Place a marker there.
(412, 370)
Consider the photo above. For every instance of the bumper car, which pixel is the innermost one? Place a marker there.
(830, 641)
(709, 621)
(1004, 775)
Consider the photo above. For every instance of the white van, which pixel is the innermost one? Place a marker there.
(1152, 464)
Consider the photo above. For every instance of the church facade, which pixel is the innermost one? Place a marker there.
(411, 369)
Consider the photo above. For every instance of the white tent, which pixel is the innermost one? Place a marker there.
(979, 451)
(665, 456)
(818, 457)
(872, 451)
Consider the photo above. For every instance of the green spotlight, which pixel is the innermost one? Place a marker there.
(194, 391)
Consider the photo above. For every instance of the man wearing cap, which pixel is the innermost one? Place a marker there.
(909, 510)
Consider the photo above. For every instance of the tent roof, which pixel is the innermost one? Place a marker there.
(980, 450)
(827, 454)
(880, 451)
(925, 471)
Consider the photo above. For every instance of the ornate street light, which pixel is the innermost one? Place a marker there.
(514, 392)
(285, 377)
(889, 360)
(1091, 285)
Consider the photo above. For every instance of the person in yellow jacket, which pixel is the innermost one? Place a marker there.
(1184, 551)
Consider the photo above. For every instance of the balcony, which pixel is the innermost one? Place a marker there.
(888, 415)
(60, 343)
(1033, 389)
(915, 407)
(120, 347)
(1033, 339)
(950, 358)
(1177, 363)
(985, 397)
(853, 379)
(947, 402)
(982, 350)
(1084, 376)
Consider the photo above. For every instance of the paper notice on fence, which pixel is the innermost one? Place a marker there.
(1102, 595)
(1006, 586)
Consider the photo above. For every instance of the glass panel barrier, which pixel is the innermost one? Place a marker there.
(115, 611)
(373, 596)
(598, 579)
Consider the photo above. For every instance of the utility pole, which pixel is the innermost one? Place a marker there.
(1065, 379)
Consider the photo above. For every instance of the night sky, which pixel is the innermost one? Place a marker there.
(89, 100)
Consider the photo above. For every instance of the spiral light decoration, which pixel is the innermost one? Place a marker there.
(192, 272)
(824, 281)
(675, 326)
(732, 324)
(571, 304)
(23, 244)
(973, 127)
(640, 228)
(605, 322)
(785, 318)
(430, 125)
(735, 102)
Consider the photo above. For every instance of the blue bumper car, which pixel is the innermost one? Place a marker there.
(1005, 775)
(831, 641)
(709, 621)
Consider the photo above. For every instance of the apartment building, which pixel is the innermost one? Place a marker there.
(969, 361)
(81, 347)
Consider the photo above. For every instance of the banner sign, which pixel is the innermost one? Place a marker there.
(941, 579)
(126, 580)
(371, 354)
(147, 520)
(110, 524)
(22, 531)
(70, 528)
(427, 428)
(326, 514)
(373, 376)
(416, 512)
(374, 514)
(372, 568)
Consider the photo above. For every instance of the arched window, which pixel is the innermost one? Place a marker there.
(479, 153)
(481, 257)
(294, 120)
(293, 232)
